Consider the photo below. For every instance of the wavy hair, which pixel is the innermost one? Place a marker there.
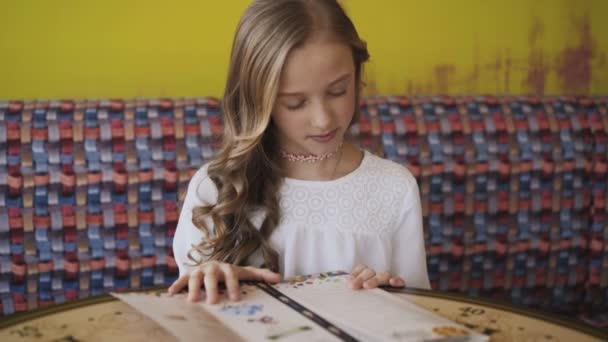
(246, 168)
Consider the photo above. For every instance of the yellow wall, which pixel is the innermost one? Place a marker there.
(118, 48)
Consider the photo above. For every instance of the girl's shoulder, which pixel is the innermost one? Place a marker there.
(387, 170)
(390, 177)
(202, 186)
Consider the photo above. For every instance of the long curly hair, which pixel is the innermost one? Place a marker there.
(246, 168)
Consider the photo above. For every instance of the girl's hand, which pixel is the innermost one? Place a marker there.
(211, 272)
(365, 277)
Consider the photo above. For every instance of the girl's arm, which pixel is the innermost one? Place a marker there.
(409, 254)
(186, 234)
(207, 273)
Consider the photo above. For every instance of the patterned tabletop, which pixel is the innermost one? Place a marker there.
(104, 318)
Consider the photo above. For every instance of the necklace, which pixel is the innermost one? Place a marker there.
(312, 158)
(309, 158)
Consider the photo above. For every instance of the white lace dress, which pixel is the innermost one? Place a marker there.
(370, 216)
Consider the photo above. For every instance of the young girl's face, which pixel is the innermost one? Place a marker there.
(316, 99)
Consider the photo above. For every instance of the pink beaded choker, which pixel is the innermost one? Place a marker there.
(308, 158)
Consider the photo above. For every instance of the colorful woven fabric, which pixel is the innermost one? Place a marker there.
(514, 193)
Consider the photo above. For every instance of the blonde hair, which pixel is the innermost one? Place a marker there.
(246, 170)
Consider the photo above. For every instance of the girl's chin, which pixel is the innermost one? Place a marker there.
(323, 151)
(311, 147)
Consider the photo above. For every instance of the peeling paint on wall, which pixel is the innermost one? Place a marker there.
(574, 64)
(537, 61)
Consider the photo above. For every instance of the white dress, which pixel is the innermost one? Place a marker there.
(370, 216)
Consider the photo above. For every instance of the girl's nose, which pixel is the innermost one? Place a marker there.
(321, 117)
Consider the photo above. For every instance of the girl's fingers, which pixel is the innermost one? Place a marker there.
(367, 274)
(254, 273)
(380, 279)
(396, 282)
(232, 282)
(211, 280)
(363, 276)
(357, 270)
(370, 283)
(353, 282)
(210, 274)
(270, 277)
(194, 285)
(178, 284)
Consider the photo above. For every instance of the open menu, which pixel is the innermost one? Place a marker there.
(310, 308)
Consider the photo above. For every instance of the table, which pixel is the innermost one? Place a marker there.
(104, 318)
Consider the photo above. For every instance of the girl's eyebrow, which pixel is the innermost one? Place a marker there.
(337, 80)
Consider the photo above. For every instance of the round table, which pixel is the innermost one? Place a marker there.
(104, 318)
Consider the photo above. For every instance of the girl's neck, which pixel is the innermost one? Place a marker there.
(339, 164)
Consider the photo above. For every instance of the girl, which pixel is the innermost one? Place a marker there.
(286, 192)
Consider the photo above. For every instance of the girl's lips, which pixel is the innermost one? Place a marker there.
(324, 138)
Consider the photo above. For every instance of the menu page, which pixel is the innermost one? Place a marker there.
(184, 320)
(304, 308)
(258, 316)
(372, 315)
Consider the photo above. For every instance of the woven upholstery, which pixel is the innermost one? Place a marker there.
(513, 189)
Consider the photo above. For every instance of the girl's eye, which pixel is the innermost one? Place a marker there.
(296, 107)
(337, 94)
